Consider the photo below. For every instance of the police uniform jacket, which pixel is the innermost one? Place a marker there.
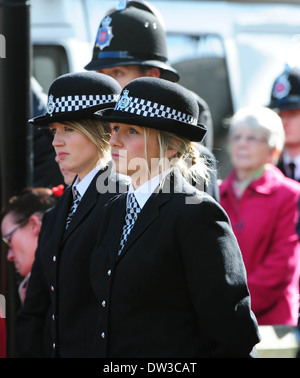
(281, 166)
(179, 287)
(58, 316)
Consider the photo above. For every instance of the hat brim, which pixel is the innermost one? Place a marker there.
(167, 72)
(46, 119)
(194, 133)
(288, 103)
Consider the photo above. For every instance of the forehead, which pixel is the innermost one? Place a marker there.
(56, 125)
(7, 223)
(290, 113)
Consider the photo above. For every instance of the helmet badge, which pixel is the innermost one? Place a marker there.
(50, 105)
(105, 34)
(282, 87)
(124, 100)
(122, 4)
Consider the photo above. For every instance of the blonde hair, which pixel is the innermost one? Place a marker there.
(188, 160)
(97, 132)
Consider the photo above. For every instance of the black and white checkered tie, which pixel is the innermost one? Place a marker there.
(132, 212)
(76, 200)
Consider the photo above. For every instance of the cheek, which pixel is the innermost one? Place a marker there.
(122, 80)
(136, 149)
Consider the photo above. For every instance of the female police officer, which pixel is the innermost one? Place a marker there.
(167, 268)
(58, 315)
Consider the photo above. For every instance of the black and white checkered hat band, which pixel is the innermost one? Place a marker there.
(146, 108)
(79, 102)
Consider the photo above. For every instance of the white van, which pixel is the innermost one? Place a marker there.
(228, 52)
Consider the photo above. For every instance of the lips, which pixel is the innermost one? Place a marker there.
(61, 155)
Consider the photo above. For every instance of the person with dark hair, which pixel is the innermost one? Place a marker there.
(20, 227)
(167, 269)
(46, 172)
(285, 100)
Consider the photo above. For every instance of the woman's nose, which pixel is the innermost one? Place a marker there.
(57, 139)
(115, 140)
(10, 254)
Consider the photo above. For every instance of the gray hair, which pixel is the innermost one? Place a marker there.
(260, 119)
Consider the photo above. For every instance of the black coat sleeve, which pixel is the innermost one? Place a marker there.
(217, 283)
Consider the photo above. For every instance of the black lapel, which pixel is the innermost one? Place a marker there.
(87, 203)
(61, 211)
(115, 225)
(150, 211)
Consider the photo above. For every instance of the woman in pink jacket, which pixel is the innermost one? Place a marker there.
(262, 205)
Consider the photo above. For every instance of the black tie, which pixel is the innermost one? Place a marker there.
(76, 200)
(292, 167)
(132, 211)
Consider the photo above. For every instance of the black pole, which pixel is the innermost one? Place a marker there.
(15, 137)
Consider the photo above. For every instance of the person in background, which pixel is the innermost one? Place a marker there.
(131, 43)
(20, 227)
(46, 172)
(167, 268)
(285, 100)
(262, 205)
(55, 320)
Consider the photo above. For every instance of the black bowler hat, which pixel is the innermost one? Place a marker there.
(132, 35)
(286, 90)
(159, 104)
(78, 95)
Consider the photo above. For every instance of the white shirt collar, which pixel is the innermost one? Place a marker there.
(82, 185)
(143, 192)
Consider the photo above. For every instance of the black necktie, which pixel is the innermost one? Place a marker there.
(132, 211)
(76, 200)
(292, 167)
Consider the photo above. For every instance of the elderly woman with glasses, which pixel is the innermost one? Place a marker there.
(262, 205)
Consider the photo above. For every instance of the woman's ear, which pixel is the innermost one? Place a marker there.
(275, 153)
(171, 153)
(153, 72)
(35, 224)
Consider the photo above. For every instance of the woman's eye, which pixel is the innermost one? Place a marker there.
(133, 131)
(115, 128)
(68, 128)
(118, 73)
(52, 131)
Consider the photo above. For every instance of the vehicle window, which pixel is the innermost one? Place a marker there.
(200, 61)
(49, 62)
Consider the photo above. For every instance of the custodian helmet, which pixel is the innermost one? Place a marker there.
(286, 90)
(133, 34)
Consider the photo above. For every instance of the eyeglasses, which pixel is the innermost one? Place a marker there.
(249, 139)
(7, 238)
